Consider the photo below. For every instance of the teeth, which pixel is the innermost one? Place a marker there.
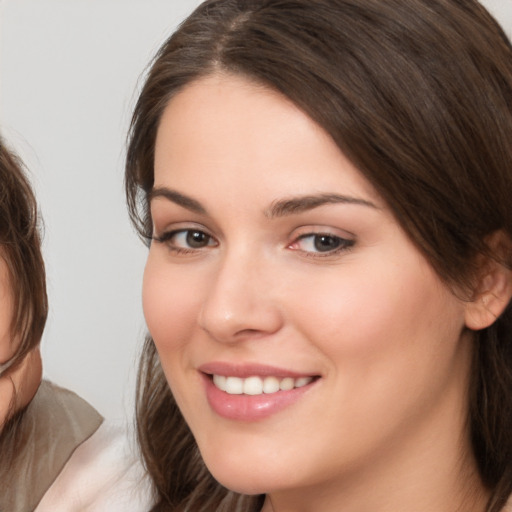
(303, 381)
(258, 385)
(287, 384)
(234, 385)
(270, 385)
(253, 386)
(220, 382)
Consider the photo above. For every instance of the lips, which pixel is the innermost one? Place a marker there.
(252, 392)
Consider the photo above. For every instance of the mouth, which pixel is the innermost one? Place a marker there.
(256, 385)
(253, 392)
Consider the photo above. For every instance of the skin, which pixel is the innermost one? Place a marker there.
(24, 379)
(383, 428)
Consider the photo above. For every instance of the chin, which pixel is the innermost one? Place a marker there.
(250, 484)
(248, 477)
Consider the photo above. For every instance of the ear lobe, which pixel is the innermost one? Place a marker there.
(494, 287)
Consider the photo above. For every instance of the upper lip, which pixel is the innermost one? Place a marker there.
(244, 370)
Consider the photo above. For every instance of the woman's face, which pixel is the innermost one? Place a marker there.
(305, 338)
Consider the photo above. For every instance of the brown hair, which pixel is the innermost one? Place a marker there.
(20, 247)
(418, 94)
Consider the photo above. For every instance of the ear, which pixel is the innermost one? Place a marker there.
(493, 290)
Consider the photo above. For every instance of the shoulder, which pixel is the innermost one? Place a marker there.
(103, 474)
(55, 406)
(53, 425)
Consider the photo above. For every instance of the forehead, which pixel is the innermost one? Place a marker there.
(233, 109)
(227, 129)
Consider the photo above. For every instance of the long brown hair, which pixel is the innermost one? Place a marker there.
(20, 248)
(418, 95)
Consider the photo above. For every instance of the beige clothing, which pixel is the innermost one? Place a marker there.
(54, 424)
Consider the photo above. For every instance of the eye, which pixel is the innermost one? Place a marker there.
(325, 243)
(186, 239)
(193, 239)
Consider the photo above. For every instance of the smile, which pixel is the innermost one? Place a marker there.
(258, 385)
(253, 392)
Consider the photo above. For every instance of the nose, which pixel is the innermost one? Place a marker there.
(240, 302)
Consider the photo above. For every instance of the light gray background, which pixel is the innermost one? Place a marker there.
(69, 72)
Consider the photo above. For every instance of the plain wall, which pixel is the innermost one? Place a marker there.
(69, 71)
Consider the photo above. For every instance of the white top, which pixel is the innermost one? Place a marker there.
(102, 475)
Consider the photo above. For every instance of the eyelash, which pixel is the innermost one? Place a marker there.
(344, 244)
(166, 238)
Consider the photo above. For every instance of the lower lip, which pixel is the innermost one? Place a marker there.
(251, 407)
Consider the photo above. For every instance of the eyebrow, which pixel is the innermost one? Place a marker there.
(280, 208)
(295, 205)
(177, 198)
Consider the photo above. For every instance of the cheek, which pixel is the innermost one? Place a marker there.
(172, 297)
(7, 348)
(169, 304)
(401, 313)
(171, 301)
(7, 345)
(391, 345)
